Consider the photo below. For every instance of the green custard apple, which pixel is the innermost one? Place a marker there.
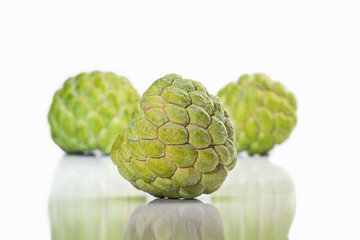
(175, 219)
(263, 112)
(90, 110)
(180, 144)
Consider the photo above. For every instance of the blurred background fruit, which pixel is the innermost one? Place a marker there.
(90, 110)
(263, 112)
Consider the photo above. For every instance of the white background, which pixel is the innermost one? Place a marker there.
(313, 47)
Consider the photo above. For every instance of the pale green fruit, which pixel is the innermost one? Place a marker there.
(263, 112)
(179, 143)
(175, 219)
(257, 201)
(90, 110)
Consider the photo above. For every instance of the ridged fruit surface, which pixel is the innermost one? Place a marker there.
(179, 144)
(263, 112)
(90, 110)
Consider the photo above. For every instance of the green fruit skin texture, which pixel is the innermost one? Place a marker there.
(90, 110)
(263, 112)
(179, 144)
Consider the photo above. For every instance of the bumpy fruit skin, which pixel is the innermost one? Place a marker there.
(90, 110)
(179, 144)
(263, 112)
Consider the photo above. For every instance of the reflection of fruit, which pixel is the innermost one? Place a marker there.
(85, 203)
(179, 144)
(257, 201)
(91, 219)
(263, 112)
(90, 111)
(175, 219)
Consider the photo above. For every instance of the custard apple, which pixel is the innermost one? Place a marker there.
(180, 143)
(90, 110)
(263, 112)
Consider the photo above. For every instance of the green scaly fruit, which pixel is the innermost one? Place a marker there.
(175, 219)
(179, 144)
(263, 112)
(90, 110)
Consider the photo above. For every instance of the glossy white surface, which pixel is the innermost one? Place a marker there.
(89, 201)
